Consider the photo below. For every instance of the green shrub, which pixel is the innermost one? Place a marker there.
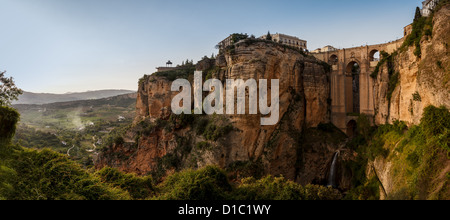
(209, 183)
(316, 192)
(269, 188)
(435, 121)
(399, 127)
(376, 149)
(8, 121)
(214, 132)
(370, 190)
(46, 175)
(272, 188)
(180, 121)
(421, 27)
(138, 187)
(414, 159)
(203, 146)
(210, 130)
(436, 125)
(201, 126)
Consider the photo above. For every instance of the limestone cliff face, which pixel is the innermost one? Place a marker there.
(422, 81)
(304, 103)
(304, 91)
(154, 98)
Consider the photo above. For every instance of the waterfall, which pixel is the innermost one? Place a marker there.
(333, 171)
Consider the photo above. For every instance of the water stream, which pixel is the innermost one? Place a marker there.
(333, 171)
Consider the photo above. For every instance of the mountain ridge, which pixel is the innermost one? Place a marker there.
(30, 98)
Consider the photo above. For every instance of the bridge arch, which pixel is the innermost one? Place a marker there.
(374, 55)
(352, 87)
(349, 69)
(351, 128)
(334, 59)
(348, 94)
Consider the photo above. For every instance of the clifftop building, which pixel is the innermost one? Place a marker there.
(168, 67)
(288, 40)
(428, 6)
(325, 49)
(231, 40)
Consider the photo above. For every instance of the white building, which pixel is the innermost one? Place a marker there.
(288, 40)
(327, 48)
(428, 6)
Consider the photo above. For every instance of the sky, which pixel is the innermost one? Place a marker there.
(60, 46)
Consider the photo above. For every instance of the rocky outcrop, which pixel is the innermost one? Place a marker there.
(422, 81)
(304, 103)
(154, 98)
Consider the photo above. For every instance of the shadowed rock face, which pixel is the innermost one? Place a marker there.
(304, 97)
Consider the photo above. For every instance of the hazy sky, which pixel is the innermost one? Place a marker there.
(63, 46)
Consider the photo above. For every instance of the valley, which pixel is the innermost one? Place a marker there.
(83, 127)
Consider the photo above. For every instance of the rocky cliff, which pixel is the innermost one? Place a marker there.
(419, 81)
(160, 142)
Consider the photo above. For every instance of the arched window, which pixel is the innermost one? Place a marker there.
(374, 55)
(334, 59)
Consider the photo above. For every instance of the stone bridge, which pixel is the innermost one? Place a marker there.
(351, 84)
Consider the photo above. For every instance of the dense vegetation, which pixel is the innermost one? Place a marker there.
(417, 154)
(44, 175)
(212, 183)
(422, 26)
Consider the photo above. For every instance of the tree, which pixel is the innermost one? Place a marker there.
(8, 90)
(418, 14)
(269, 36)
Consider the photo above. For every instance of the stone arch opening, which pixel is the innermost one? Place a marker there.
(351, 128)
(352, 87)
(374, 55)
(334, 59)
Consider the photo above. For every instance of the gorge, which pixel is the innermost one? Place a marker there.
(317, 115)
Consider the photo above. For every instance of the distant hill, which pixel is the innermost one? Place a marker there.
(47, 98)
